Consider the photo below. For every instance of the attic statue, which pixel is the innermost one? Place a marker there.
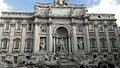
(60, 2)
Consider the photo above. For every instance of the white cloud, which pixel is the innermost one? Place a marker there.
(107, 6)
(4, 6)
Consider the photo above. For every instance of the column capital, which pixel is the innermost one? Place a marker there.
(115, 25)
(96, 25)
(24, 24)
(12, 24)
(1, 24)
(36, 23)
(49, 23)
(85, 24)
(73, 23)
(106, 26)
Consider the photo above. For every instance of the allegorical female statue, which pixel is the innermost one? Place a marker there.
(60, 2)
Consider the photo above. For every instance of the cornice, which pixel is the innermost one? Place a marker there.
(102, 19)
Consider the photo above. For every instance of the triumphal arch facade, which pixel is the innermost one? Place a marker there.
(61, 20)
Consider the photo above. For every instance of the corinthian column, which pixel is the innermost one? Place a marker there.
(50, 39)
(36, 37)
(74, 45)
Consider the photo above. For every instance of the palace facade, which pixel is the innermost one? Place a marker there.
(58, 27)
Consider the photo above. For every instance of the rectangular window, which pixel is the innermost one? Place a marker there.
(111, 28)
(5, 43)
(92, 43)
(7, 24)
(15, 59)
(103, 43)
(29, 27)
(113, 43)
(17, 44)
(18, 26)
(29, 43)
(3, 58)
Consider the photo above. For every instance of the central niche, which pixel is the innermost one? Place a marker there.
(62, 39)
(61, 31)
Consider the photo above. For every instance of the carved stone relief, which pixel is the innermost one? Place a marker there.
(79, 28)
(43, 27)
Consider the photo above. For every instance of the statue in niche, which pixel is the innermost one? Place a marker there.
(79, 28)
(61, 46)
(43, 28)
(60, 2)
(80, 44)
(37, 10)
(42, 45)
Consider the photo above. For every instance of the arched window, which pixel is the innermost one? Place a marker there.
(29, 26)
(93, 43)
(113, 43)
(17, 43)
(103, 43)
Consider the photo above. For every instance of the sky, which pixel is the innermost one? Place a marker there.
(93, 6)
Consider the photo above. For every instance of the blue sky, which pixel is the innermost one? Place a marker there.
(28, 5)
(93, 6)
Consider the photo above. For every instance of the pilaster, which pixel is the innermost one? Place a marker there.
(11, 36)
(117, 36)
(107, 37)
(1, 31)
(24, 27)
(97, 37)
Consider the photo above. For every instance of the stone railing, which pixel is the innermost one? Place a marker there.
(28, 50)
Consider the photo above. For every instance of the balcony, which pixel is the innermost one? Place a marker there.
(6, 32)
(114, 49)
(5, 50)
(28, 50)
(104, 49)
(94, 49)
(16, 50)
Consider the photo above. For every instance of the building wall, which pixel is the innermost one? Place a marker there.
(94, 34)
